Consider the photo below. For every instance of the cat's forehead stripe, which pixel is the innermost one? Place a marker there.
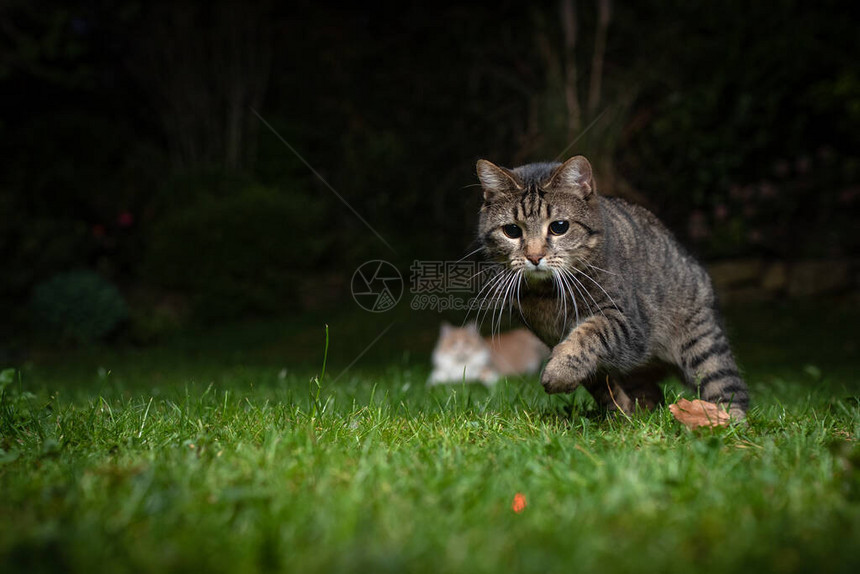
(531, 202)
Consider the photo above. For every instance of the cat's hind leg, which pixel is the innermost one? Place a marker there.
(706, 360)
(628, 391)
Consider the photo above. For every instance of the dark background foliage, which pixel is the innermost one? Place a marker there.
(146, 140)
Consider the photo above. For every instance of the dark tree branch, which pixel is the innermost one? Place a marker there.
(604, 13)
(569, 25)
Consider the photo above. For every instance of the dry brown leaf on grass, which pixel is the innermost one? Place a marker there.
(699, 413)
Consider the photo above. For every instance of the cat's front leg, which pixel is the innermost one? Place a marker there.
(604, 339)
(569, 364)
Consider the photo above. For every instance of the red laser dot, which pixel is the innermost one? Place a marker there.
(519, 503)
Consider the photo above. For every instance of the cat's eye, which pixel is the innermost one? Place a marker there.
(559, 227)
(512, 230)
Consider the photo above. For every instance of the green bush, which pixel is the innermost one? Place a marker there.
(238, 254)
(79, 306)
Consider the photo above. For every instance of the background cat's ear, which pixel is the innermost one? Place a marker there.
(445, 328)
(573, 176)
(496, 180)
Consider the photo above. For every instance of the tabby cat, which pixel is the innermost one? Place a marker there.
(461, 353)
(605, 284)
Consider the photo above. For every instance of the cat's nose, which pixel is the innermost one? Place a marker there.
(535, 258)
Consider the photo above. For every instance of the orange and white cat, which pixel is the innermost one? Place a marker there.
(462, 354)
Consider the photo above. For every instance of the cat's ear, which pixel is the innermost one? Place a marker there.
(496, 180)
(573, 176)
(445, 328)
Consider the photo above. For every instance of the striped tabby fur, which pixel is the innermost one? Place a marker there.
(604, 284)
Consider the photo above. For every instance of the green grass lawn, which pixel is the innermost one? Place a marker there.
(219, 452)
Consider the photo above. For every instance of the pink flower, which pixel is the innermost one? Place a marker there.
(768, 190)
(125, 219)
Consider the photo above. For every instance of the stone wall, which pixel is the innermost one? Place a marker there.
(758, 279)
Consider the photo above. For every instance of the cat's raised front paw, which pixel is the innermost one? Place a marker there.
(564, 370)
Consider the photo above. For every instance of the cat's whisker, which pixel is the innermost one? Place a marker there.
(599, 286)
(495, 298)
(484, 305)
(598, 268)
(582, 287)
(492, 266)
(570, 288)
(505, 299)
(562, 292)
(498, 309)
(470, 254)
(519, 304)
(496, 301)
(556, 279)
(486, 289)
(514, 284)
